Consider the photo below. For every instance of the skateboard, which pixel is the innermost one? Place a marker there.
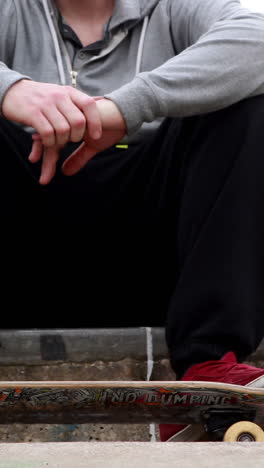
(224, 411)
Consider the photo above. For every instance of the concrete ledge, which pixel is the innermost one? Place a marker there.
(38, 347)
(132, 455)
(78, 345)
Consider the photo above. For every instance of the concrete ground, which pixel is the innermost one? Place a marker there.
(132, 455)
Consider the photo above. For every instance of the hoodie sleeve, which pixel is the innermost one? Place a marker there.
(8, 22)
(220, 61)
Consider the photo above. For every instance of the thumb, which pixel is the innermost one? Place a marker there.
(78, 159)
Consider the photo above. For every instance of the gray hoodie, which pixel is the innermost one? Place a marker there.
(164, 58)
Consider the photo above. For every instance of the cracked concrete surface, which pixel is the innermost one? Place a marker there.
(132, 455)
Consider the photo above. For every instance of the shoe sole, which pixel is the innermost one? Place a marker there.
(191, 433)
(257, 383)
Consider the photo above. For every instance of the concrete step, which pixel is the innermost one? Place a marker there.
(42, 346)
(132, 455)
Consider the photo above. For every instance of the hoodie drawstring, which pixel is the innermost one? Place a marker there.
(141, 44)
(55, 39)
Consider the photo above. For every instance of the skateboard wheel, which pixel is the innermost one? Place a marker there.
(244, 431)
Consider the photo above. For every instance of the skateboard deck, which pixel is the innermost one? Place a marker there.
(214, 405)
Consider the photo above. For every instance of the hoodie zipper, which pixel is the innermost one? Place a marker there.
(74, 75)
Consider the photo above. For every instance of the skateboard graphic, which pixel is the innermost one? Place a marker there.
(224, 411)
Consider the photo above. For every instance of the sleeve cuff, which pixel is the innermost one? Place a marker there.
(137, 103)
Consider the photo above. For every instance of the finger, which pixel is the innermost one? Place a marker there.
(36, 137)
(49, 163)
(36, 151)
(75, 118)
(45, 130)
(60, 125)
(88, 106)
(78, 159)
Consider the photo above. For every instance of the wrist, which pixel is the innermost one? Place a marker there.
(111, 117)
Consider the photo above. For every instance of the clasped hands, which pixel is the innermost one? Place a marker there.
(62, 114)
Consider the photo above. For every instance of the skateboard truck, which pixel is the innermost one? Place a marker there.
(218, 420)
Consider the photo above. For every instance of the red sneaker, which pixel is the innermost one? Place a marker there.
(226, 370)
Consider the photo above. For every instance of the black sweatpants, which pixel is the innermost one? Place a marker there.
(170, 231)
